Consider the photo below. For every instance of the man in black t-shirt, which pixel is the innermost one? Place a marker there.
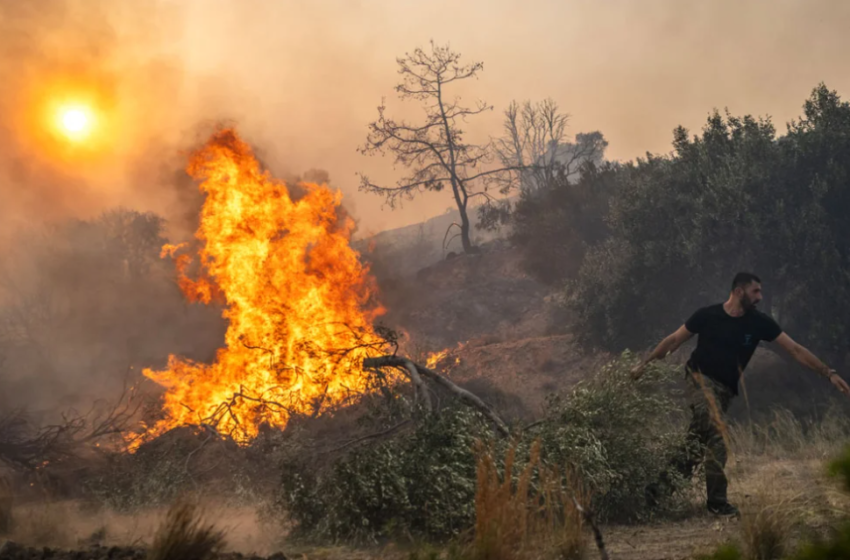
(728, 335)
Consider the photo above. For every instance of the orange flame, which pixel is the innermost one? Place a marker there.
(436, 358)
(299, 302)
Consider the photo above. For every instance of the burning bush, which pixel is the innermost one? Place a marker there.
(298, 301)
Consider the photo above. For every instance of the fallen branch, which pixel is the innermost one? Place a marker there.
(463, 394)
(418, 385)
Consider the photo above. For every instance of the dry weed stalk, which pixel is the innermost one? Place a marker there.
(716, 416)
(185, 536)
(516, 520)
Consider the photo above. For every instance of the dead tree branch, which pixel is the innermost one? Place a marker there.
(25, 445)
(469, 398)
(418, 384)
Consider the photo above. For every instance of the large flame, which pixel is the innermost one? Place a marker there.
(299, 303)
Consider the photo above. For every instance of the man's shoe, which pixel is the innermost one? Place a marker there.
(724, 510)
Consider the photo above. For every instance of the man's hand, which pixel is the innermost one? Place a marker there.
(802, 355)
(668, 345)
(839, 383)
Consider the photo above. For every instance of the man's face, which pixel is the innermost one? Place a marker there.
(750, 295)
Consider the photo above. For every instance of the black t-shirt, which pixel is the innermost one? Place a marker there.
(725, 343)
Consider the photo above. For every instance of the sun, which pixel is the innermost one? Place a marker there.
(75, 122)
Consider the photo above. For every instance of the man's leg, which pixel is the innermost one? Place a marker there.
(709, 411)
(688, 456)
(715, 461)
(691, 453)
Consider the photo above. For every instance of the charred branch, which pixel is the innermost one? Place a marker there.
(25, 445)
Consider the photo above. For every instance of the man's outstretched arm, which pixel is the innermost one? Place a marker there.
(665, 347)
(806, 358)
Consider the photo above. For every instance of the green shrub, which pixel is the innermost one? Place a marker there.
(615, 434)
(421, 483)
(618, 435)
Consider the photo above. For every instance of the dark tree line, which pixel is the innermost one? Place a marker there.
(642, 244)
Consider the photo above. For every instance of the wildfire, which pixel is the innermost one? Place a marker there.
(436, 358)
(299, 303)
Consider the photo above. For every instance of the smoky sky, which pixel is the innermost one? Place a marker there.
(302, 79)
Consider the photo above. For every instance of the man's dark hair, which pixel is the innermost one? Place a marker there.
(744, 279)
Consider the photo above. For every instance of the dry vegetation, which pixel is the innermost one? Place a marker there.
(184, 535)
(531, 514)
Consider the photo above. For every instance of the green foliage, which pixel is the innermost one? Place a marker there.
(733, 198)
(556, 223)
(421, 483)
(729, 551)
(617, 434)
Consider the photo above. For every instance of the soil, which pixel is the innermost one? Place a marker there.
(13, 551)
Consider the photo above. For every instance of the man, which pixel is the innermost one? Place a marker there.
(728, 335)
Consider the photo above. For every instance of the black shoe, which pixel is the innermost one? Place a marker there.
(724, 509)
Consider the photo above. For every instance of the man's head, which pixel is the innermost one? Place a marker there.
(746, 288)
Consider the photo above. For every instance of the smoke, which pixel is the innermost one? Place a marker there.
(301, 80)
(84, 296)
(118, 59)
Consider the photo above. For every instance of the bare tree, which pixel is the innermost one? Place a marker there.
(535, 149)
(435, 151)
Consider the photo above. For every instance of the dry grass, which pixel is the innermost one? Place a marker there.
(786, 436)
(516, 519)
(767, 524)
(185, 536)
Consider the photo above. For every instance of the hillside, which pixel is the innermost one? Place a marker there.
(507, 337)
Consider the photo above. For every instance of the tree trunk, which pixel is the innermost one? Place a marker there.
(464, 230)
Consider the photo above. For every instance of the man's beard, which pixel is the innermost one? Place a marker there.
(747, 303)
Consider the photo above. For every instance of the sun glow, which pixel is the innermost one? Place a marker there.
(75, 122)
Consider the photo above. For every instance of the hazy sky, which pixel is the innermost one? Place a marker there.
(303, 79)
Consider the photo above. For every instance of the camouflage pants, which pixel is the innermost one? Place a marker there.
(708, 401)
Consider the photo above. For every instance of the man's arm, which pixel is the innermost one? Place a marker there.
(806, 358)
(665, 347)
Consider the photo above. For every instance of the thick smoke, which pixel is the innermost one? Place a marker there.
(84, 296)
